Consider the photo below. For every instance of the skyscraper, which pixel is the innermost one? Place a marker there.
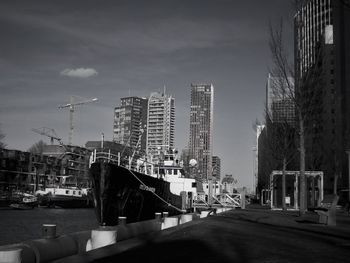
(160, 124)
(322, 65)
(201, 127)
(129, 118)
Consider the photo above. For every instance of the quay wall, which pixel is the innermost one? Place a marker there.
(73, 247)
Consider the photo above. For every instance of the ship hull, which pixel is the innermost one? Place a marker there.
(136, 196)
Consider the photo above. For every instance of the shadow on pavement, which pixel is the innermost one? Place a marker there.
(174, 251)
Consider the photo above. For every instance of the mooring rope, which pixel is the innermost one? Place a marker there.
(147, 187)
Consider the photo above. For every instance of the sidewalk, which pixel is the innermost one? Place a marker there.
(252, 235)
(309, 220)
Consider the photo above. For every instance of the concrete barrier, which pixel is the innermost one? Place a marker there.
(219, 210)
(186, 218)
(170, 222)
(27, 253)
(56, 248)
(101, 237)
(47, 250)
(204, 213)
(13, 255)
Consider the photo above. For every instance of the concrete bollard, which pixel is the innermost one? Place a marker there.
(158, 216)
(185, 218)
(122, 220)
(101, 237)
(170, 222)
(11, 255)
(48, 231)
(165, 214)
(204, 214)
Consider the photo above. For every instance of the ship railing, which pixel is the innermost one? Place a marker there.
(104, 156)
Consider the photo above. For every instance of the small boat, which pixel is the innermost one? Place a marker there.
(23, 201)
(64, 197)
(137, 195)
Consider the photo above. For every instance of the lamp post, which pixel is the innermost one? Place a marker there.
(348, 152)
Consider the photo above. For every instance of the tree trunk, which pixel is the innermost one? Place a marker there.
(284, 206)
(303, 199)
(335, 186)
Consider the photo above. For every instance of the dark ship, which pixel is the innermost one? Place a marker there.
(122, 192)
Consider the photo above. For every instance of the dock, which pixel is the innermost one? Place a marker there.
(238, 235)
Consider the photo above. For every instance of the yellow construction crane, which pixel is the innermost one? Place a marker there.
(49, 133)
(71, 107)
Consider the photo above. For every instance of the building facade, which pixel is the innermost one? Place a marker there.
(279, 99)
(130, 121)
(216, 164)
(55, 166)
(201, 127)
(160, 124)
(322, 65)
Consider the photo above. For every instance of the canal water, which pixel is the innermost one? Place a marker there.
(20, 225)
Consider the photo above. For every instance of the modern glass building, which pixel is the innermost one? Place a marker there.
(322, 66)
(201, 127)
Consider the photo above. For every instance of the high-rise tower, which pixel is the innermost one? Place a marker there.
(201, 128)
(160, 124)
(322, 65)
(129, 118)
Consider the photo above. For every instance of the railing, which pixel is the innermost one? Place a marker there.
(221, 200)
(104, 156)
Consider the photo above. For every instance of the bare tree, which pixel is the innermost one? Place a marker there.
(281, 141)
(2, 144)
(301, 93)
(38, 147)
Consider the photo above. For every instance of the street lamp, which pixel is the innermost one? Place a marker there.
(348, 152)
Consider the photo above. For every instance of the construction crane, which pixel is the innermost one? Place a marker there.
(49, 133)
(71, 107)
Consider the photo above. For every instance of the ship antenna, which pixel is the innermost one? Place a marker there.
(136, 147)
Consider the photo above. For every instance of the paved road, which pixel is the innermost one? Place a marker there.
(246, 236)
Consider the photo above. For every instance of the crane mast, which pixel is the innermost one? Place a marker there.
(71, 107)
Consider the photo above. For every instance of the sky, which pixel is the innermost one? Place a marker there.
(109, 49)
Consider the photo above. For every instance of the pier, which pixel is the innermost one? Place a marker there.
(251, 235)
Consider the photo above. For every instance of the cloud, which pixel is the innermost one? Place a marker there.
(79, 72)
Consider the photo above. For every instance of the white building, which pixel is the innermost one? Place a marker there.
(160, 124)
